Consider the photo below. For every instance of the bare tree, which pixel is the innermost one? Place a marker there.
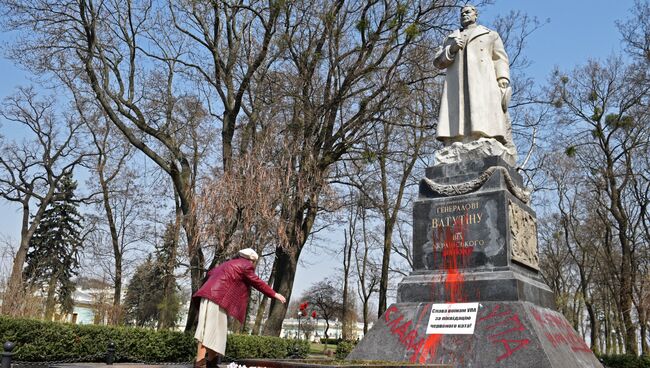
(348, 244)
(342, 65)
(368, 271)
(601, 107)
(636, 30)
(31, 170)
(325, 299)
(228, 43)
(581, 233)
(100, 50)
(115, 183)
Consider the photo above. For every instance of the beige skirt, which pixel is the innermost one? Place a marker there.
(212, 330)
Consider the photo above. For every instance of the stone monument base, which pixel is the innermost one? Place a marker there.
(507, 334)
(475, 241)
(477, 286)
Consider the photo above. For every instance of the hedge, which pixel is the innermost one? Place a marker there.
(51, 341)
(246, 346)
(344, 348)
(625, 361)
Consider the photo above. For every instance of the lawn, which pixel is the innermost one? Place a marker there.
(319, 349)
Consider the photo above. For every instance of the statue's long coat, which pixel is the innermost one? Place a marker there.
(471, 99)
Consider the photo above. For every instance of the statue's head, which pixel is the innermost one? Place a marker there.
(468, 15)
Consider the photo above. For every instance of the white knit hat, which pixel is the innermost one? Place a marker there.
(249, 253)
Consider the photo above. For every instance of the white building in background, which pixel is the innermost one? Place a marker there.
(83, 311)
(92, 301)
(90, 306)
(293, 328)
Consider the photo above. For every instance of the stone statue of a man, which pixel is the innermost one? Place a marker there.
(477, 85)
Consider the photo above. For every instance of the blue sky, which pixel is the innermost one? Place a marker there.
(578, 30)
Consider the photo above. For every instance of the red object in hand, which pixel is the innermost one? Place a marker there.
(313, 314)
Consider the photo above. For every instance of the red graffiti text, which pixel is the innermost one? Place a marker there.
(505, 328)
(559, 332)
(405, 330)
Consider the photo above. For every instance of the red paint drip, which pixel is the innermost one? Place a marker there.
(429, 348)
(451, 239)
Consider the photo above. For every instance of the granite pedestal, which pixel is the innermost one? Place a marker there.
(475, 240)
(507, 334)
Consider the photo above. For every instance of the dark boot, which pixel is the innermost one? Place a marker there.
(200, 363)
(214, 363)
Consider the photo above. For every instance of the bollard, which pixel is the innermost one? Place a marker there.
(7, 354)
(110, 354)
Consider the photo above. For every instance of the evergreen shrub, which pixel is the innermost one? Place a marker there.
(51, 341)
(625, 361)
(247, 346)
(39, 341)
(344, 348)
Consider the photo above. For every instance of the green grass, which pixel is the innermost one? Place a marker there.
(318, 349)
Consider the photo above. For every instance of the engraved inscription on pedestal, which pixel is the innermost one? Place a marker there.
(524, 236)
(472, 227)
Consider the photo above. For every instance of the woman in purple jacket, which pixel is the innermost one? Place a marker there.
(226, 293)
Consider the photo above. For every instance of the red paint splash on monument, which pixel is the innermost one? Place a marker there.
(450, 241)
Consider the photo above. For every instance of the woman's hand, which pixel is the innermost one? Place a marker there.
(281, 298)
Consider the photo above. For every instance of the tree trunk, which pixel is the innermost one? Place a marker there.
(197, 263)
(327, 328)
(302, 216)
(116, 315)
(608, 333)
(169, 281)
(257, 327)
(365, 315)
(626, 298)
(13, 296)
(347, 261)
(620, 345)
(286, 264)
(643, 324)
(385, 263)
(227, 134)
(50, 301)
(644, 340)
(196, 275)
(184, 189)
(595, 328)
(618, 212)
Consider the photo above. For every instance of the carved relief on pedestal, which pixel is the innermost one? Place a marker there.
(523, 231)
